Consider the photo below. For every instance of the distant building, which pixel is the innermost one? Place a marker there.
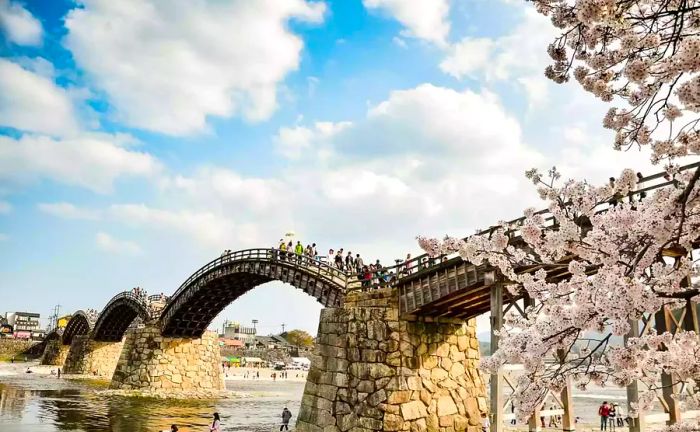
(230, 343)
(25, 325)
(234, 330)
(5, 329)
(271, 342)
(62, 322)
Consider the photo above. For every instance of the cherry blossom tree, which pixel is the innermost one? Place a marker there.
(602, 257)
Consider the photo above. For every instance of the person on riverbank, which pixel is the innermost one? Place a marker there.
(612, 420)
(485, 423)
(58, 372)
(286, 416)
(216, 424)
(621, 417)
(604, 412)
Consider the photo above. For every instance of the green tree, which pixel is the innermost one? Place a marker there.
(299, 338)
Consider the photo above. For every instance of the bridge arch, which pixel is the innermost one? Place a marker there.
(117, 316)
(213, 287)
(79, 324)
(55, 334)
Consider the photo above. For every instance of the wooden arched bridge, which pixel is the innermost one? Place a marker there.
(444, 287)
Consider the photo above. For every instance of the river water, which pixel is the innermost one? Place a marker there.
(42, 403)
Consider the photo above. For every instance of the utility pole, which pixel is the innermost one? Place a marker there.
(53, 319)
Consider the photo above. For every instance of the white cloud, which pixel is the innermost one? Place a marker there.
(69, 211)
(292, 142)
(171, 65)
(93, 161)
(108, 243)
(520, 55)
(215, 184)
(399, 42)
(32, 102)
(204, 227)
(439, 123)
(5, 207)
(468, 57)
(418, 159)
(423, 19)
(18, 24)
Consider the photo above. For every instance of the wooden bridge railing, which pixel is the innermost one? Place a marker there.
(269, 255)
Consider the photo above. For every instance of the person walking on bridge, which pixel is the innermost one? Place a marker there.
(283, 249)
(349, 261)
(286, 416)
(359, 264)
(339, 259)
(299, 251)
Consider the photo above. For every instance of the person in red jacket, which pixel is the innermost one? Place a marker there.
(604, 412)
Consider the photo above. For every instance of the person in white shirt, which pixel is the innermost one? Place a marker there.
(216, 424)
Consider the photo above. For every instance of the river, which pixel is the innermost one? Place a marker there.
(43, 403)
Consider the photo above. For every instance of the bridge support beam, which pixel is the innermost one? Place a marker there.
(377, 371)
(89, 357)
(153, 363)
(55, 353)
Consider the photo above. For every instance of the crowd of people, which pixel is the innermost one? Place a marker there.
(611, 416)
(139, 293)
(370, 273)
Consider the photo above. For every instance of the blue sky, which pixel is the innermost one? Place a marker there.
(137, 141)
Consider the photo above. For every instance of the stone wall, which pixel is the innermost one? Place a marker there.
(376, 372)
(17, 348)
(151, 362)
(89, 357)
(55, 353)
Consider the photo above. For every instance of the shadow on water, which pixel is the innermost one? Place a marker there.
(45, 404)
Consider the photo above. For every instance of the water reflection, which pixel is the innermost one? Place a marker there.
(46, 404)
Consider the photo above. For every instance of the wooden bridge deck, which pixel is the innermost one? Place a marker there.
(454, 288)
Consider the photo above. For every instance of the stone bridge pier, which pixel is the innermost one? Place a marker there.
(377, 371)
(89, 357)
(55, 353)
(154, 363)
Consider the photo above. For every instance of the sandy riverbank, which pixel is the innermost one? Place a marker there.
(17, 368)
(250, 374)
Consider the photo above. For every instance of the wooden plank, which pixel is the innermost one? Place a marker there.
(446, 301)
(416, 301)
